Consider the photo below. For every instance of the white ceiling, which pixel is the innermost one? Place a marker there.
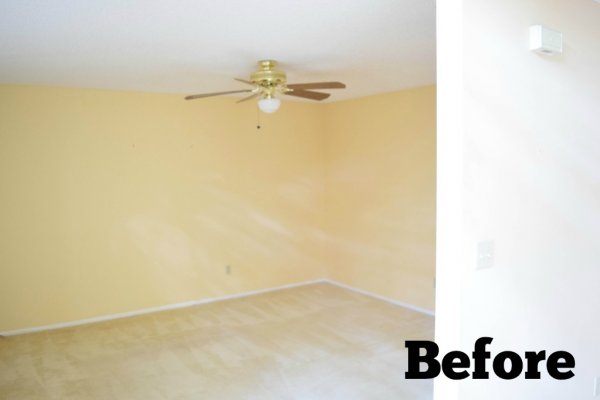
(191, 46)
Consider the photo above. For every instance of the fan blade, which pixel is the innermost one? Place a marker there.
(317, 85)
(307, 94)
(244, 81)
(249, 97)
(199, 96)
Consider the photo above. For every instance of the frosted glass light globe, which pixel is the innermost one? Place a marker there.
(269, 105)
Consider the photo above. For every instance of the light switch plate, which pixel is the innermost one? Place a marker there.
(597, 386)
(485, 254)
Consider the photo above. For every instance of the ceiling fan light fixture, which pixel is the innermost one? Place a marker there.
(269, 104)
(268, 82)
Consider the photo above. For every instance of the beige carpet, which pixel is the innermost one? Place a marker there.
(311, 342)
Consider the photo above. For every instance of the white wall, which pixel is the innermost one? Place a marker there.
(519, 163)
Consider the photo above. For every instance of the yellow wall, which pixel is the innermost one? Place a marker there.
(381, 194)
(117, 201)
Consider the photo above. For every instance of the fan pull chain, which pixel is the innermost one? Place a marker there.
(257, 117)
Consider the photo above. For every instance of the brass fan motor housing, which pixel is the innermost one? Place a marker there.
(268, 76)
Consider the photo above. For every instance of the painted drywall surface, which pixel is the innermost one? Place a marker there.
(531, 183)
(449, 207)
(116, 201)
(380, 193)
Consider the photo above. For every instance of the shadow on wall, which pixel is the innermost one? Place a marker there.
(220, 239)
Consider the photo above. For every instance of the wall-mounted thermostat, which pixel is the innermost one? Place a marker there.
(545, 40)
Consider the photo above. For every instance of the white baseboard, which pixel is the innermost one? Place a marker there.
(207, 301)
(382, 298)
(150, 310)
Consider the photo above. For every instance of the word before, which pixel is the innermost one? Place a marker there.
(455, 364)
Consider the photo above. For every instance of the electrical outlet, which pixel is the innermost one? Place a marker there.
(228, 270)
(597, 386)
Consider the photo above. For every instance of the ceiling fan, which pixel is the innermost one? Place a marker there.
(268, 82)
